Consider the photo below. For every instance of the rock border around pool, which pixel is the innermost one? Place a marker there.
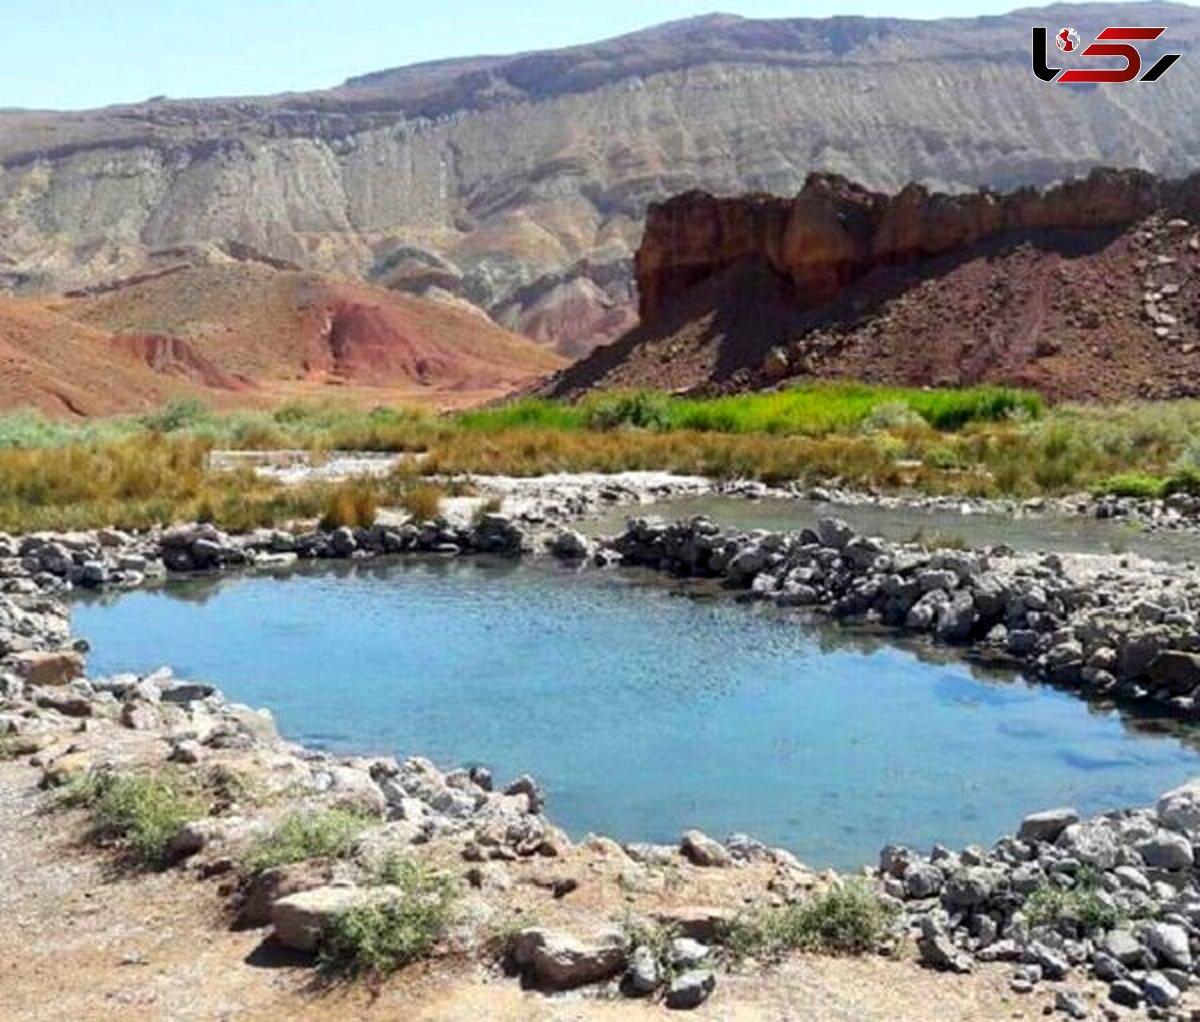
(1119, 892)
(1114, 898)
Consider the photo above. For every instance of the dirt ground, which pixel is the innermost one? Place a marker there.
(83, 941)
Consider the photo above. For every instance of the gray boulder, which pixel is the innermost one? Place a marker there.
(1046, 826)
(1169, 943)
(1167, 850)
(701, 850)
(690, 989)
(560, 961)
(1160, 991)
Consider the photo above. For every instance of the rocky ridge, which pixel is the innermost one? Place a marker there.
(1084, 290)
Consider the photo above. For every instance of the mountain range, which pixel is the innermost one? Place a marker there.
(517, 186)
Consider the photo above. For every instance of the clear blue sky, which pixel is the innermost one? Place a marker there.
(70, 54)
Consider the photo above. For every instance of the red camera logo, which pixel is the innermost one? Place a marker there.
(1112, 42)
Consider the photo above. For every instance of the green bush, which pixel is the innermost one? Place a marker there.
(1132, 484)
(1186, 480)
(140, 812)
(637, 409)
(847, 919)
(186, 413)
(379, 937)
(1082, 905)
(330, 834)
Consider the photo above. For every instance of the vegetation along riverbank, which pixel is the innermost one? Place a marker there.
(136, 471)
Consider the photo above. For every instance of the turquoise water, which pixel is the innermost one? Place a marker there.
(643, 712)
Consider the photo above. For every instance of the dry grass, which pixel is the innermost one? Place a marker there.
(134, 474)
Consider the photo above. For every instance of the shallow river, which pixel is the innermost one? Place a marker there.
(643, 712)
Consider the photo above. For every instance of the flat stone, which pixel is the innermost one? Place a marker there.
(559, 961)
(302, 920)
(1159, 991)
(1046, 826)
(1124, 947)
(1170, 943)
(1125, 993)
(644, 975)
(705, 923)
(271, 885)
(1167, 850)
(686, 953)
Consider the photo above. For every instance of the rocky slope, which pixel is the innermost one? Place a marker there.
(519, 183)
(1082, 290)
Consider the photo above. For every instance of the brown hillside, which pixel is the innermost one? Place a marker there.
(251, 321)
(62, 367)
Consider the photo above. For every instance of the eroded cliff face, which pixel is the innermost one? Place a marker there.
(523, 181)
(1090, 289)
(835, 232)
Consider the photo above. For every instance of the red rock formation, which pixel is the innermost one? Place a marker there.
(173, 356)
(835, 232)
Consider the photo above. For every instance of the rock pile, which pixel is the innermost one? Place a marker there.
(110, 557)
(1115, 897)
(1127, 636)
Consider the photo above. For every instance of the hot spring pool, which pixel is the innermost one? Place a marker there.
(642, 712)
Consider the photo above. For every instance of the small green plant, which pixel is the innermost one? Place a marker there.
(78, 792)
(847, 919)
(138, 812)
(330, 834)
(186, 413)
(1081, 905)
(381, 936)
(655, 936)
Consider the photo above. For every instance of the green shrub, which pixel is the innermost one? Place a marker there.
(140, 812)
(1082, 905)
(184, 413)
(379, 937)
(847, 919)
(330, 834)
(1186, 480)
(1132, 484)
(637, 409)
